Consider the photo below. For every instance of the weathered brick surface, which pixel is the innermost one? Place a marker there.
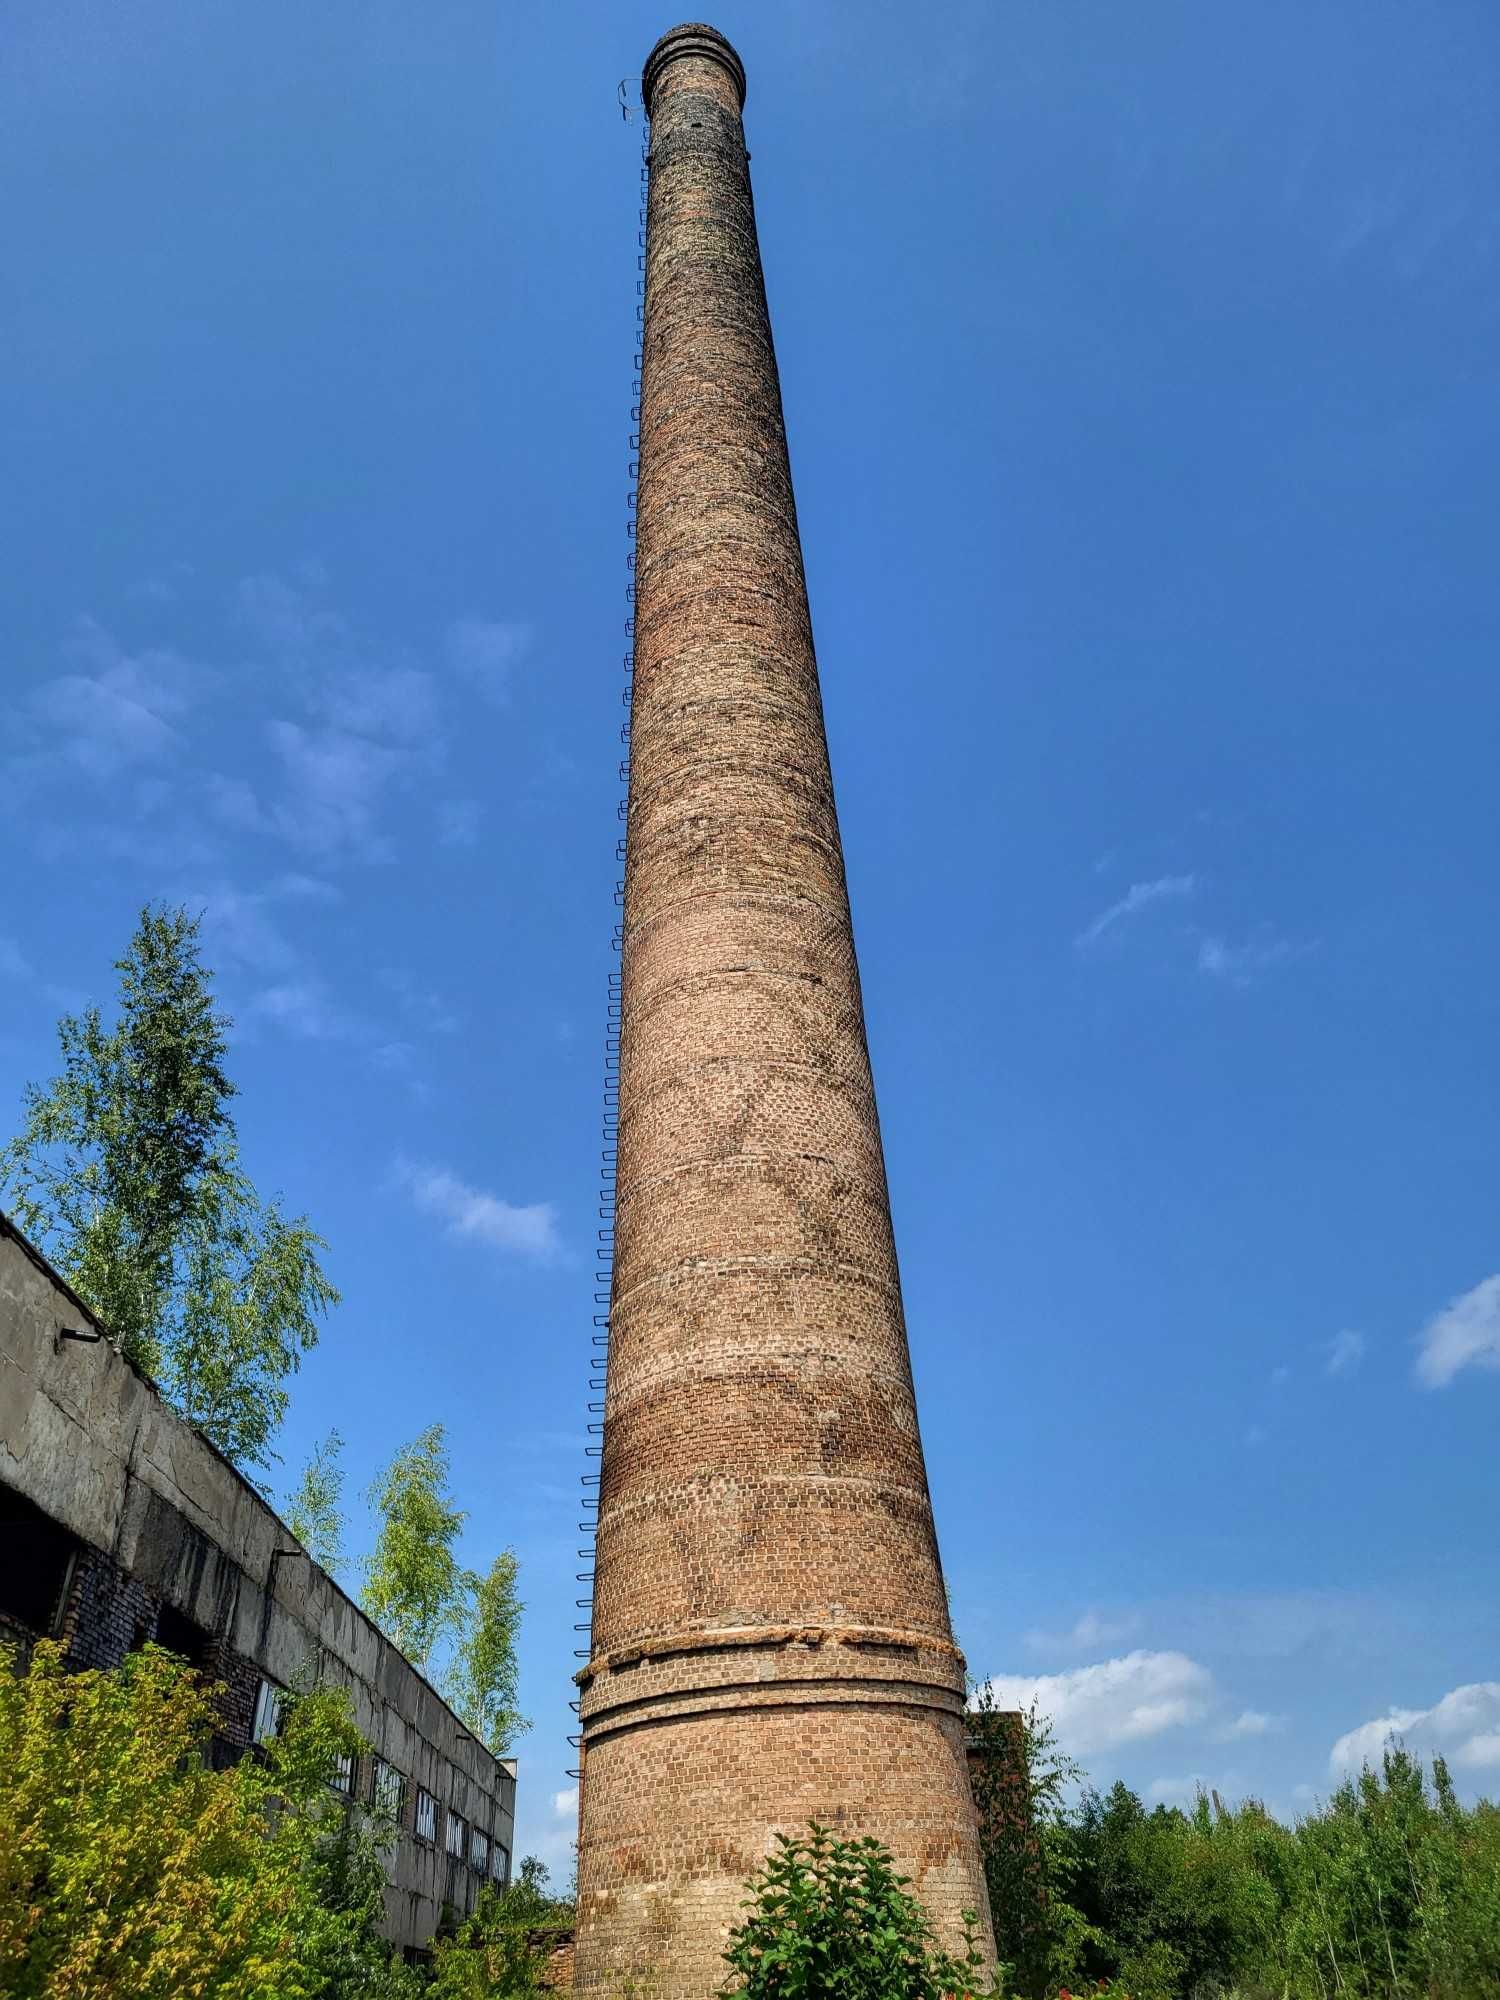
(107, 1612)
(770, 1638)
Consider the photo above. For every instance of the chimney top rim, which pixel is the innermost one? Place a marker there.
(692, 38)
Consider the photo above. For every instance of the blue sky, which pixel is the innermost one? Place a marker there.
(1140, 376)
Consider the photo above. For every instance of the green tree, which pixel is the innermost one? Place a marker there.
(1022, 1785)
(127, 1172)
(484, 1682)
(830, 1919)
(415, 1587)
(502, 1947)
(131, 1870)
(313, 1511)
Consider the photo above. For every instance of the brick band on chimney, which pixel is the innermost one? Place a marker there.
(770, 1636)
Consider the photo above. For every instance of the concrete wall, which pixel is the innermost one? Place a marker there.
(163, 1528)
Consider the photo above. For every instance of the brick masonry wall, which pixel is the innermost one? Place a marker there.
(770, 1638)
(106, 1613)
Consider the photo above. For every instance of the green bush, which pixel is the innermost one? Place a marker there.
(131, 1870)
(830, 1919)
(500, 1951)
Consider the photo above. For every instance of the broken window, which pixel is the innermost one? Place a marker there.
(387, 1788)
(458, 1834)
(426, 1821)
(479, 1851)
(177, 1632)
(343, 1775)
(500, 1864)
(267, 1724)
(37, 1565)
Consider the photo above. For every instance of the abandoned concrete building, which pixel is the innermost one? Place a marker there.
(120, 1524)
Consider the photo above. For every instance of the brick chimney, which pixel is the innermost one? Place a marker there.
(770, 1637)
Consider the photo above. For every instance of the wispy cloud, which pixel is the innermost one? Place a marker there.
(115, 711)
(1139, 896)
(14, 964)
(306, 1009)
(334, 787)
(1249, 1722)
(370, 727)
(314, 738)
(1087, 1634)
(1243, 964)
(473, 1215)
(486, 652)
(422, 1005)
(1116, 1701)
(1464, 1726)
(1465, 1334)
(242, 926)
(1343, 1354)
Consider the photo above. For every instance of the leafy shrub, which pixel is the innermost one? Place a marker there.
(500, 1951)
(830, 1919)
(130, 1870)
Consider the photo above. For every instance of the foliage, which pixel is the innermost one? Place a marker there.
(830, 1919)
(1027, 1842)
(440, 1614)
(127, 1173)
(130, 1870)
(313, 1512)
(415, 1587)
(501, 1949)
(484, 1683)
(1391, 1889)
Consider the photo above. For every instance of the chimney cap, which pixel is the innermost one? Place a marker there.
(693, 38)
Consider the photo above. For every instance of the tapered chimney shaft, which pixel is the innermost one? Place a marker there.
(770, 1635)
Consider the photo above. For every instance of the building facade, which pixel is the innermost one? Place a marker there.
(120, 1524)
(770, 1639)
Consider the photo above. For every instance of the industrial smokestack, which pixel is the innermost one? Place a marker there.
(770, 1637)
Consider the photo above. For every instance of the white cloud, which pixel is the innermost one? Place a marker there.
(1466, 1333)
(1242, 964)
(470, 1213)
(14, 964)
(370, 727)
(1344, 1353)
(118, 710)
(565, 1804)
(1249, 1722)
(304, 1008)
(1086, 1635)
(1116, 1701)
(423, 1006)
(1139, 896)
(335, 788)
(241, 929)
(392, 704)
(1464, 1727)
(485, 652)
(286, 616)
